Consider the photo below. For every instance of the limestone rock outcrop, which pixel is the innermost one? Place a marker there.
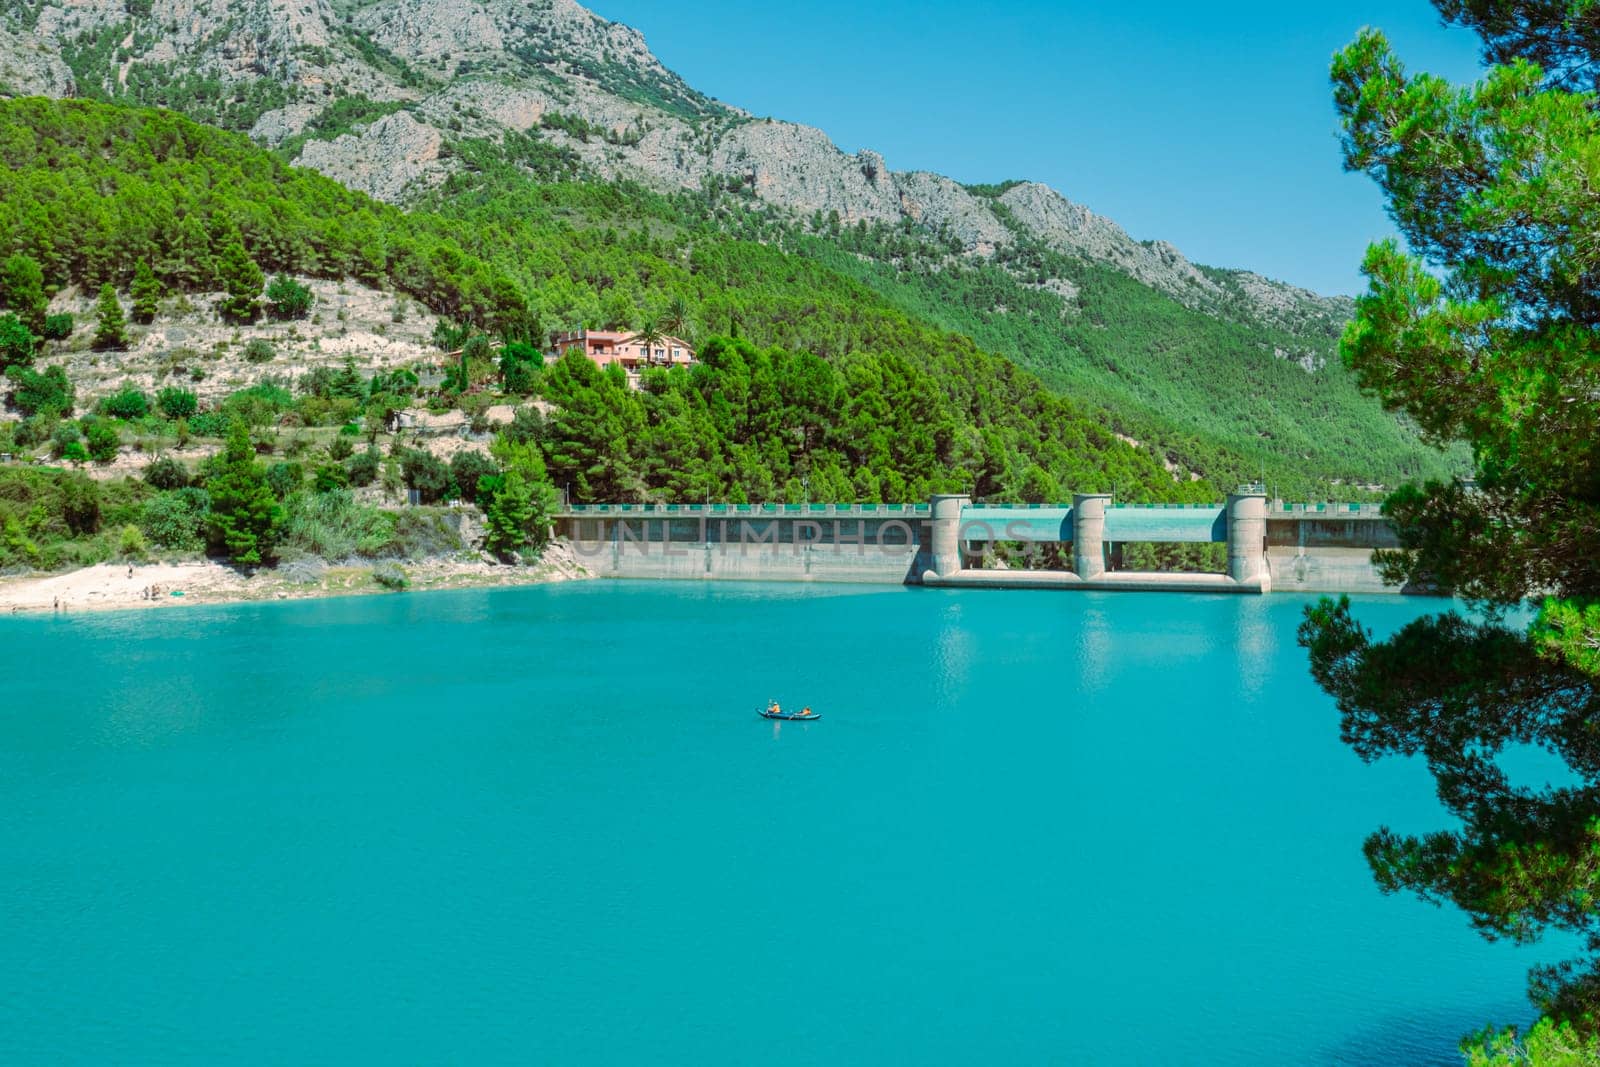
(430, 72)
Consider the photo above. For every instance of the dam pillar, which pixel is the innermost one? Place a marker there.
(1247, 537)
(944, 533)
(1088, 534)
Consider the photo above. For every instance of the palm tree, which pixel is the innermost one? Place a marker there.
(649, 336)
(676, 318)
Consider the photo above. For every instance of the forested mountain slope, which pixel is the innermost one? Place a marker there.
(1221, 372)
(831, 392)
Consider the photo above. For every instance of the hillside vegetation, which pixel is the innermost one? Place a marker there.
(830, 391)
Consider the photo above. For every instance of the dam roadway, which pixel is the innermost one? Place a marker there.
(1272, 546)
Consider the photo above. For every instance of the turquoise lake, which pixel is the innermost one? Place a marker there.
(545, 825)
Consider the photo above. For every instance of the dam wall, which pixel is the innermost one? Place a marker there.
(1272, 547)
(872, 545)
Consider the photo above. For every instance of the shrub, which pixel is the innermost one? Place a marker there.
(332, 525)
(340, 448)
(64, 435)
(58, 327)
(102, 440)
(166, 473)
(177, 403)
(520, 364)
(427, 474)
(38, 393)
(285, 479)
(177, 519)
(364, 468)
(467, 468)
(74, 452)
(526, 427)
(258, 405)
(129, 402)
(391, 575)
(419, 534)
(330, 476)
(16, 342)
(80, 504)
(131, 543)
(208, 424)
(259, 350)
(289, 299)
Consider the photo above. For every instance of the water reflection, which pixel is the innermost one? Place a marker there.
(1255, 644)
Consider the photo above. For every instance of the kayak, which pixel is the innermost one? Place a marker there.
(788, 716)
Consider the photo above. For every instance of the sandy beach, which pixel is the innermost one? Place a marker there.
(121, 586)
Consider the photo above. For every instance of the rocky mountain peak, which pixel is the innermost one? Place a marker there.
(373, 91)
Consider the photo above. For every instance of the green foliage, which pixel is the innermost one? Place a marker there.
(176, 403)
(176, 182)
(340, 448)
(146, 291)
(326, 383)
(259, 350)
(109, 324)
(510, 515)
(58, 327)
(259, 405)
(22, 290)
(47, 392)
(328, 477)
(332, 525)
(467, 469)
(166, 473)
(427, 474)
(241, 280)
(16, 343)
(102, 440)
(51, 518)
(1548, 1045)
(74, 451)
(131, 543)
(286, 478)
(129, 402)
(1484, 332)
(244, 519)
(364, 468)
(289, 298)
(177, 519)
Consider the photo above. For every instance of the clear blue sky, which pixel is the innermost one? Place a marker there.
(1207, 125)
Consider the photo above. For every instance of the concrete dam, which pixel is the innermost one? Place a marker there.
(1272, 546)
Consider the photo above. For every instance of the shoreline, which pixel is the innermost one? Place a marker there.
(122, 586)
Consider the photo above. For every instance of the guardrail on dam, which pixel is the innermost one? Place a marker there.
(1271, 546)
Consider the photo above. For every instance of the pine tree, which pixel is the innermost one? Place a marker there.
(242, 279)
(509, 515)
(16, 343)
(22, 291)
(146, 292)
(109, 321)
(245, 515)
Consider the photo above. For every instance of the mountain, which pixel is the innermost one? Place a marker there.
(1224, 372)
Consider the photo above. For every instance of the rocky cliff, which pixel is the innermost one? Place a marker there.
(375, 93)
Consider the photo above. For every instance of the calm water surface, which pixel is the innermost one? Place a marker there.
(545, 825)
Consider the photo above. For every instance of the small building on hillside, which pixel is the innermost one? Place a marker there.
(606, 347)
